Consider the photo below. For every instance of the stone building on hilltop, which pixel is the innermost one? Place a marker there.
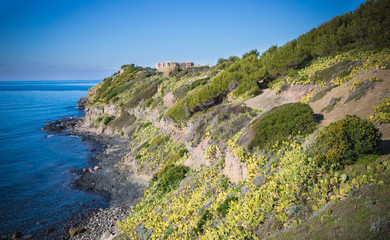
(160, 66)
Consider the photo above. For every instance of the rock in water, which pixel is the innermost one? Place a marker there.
(75, 231)
(16, 235)
(28, 236)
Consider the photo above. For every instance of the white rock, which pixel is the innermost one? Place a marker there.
(106, 236)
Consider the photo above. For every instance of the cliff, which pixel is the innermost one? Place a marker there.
(254, 147)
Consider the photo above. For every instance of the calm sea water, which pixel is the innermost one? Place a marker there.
(35, 166)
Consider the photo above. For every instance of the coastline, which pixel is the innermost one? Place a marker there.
(106, 177)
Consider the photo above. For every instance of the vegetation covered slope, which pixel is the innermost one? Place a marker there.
(366, 28)
(218, 170)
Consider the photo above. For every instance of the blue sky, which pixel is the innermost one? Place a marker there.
(76, 39)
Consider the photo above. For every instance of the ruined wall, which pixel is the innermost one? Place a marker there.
(183, 65)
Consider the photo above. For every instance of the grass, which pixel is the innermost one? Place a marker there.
(123, 121)
(199, 82)
(360, 91)
(244, 77)
(320, 94)
(352, 218)
(285, 180)
(341, 69)
(182, 91)
(145, 92)
(168, 178)
(360, 88)
(331, 105)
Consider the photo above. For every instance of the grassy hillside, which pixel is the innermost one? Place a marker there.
(366, 28)
(222, 170)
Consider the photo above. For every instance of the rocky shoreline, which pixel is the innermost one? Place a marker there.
(106, 177)
(116, 184)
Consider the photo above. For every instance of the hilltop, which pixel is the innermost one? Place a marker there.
(292, 143)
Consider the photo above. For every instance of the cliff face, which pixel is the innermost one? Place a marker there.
(259, 146)
(215, 144)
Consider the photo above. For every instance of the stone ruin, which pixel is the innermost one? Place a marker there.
(184, 65)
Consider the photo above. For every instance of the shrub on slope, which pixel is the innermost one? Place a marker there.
(243, 73)
(366, 28)
(342, 142)
(168, 178)
(281, 123)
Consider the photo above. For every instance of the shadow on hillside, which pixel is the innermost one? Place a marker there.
(318, 117)
(385, 147)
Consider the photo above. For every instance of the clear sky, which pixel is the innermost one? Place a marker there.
(76, 39)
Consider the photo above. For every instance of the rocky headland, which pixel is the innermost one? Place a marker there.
(291, 142)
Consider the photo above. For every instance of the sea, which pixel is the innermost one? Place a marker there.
(36, 166)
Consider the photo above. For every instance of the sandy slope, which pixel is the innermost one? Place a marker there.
(268, 99)
(362, 107)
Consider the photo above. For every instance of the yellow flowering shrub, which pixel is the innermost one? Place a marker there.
(381, 111)
(342, 142)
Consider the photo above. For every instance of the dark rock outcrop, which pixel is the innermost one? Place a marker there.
(16, 235)
(81, 103)
(61, 125)
(75, 231)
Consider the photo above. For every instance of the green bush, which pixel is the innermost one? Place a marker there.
(168, 178)
(98, 120)
(293, 73)
(199, 82)
(345, 73)
(147, 124)
(339, 69)
(160, 139)
(224, 207)
(342, 142)
(108, 119)
(206, 216)
(282, 123)
(174, 156)
(225, 183)
(148, 102)
(302, 79)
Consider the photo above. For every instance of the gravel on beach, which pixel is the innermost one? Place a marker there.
(119, 186)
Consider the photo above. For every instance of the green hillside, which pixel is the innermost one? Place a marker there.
(223, 170)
